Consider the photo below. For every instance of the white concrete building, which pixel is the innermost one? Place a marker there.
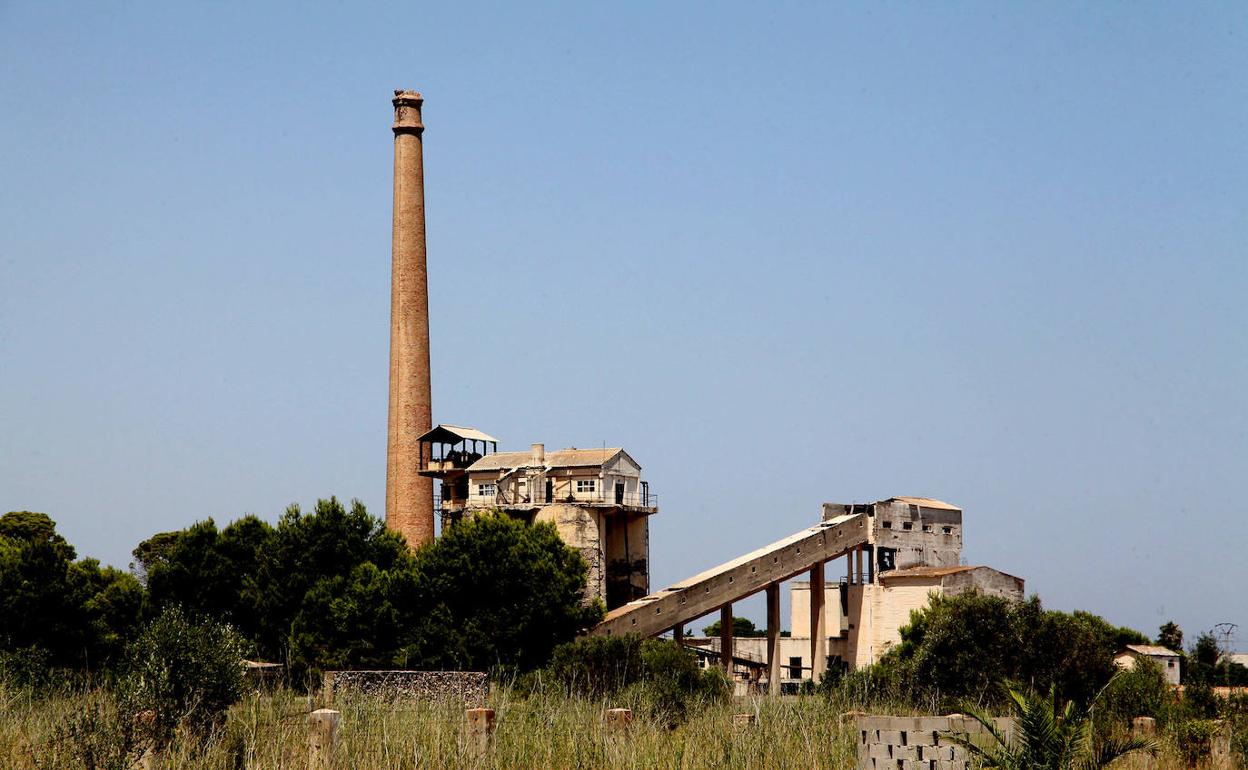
(1168, 659)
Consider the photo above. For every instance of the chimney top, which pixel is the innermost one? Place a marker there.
(407, 112)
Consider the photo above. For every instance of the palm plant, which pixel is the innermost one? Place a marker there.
(1045, 737)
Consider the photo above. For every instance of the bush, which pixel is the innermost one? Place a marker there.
(597, 666)
(186, 671)
(1141, 691)
(656, 676)
(672, 683)
(1192, 737)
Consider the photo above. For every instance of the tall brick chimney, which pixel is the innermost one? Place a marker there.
(409, 496)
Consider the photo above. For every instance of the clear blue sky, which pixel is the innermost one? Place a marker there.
(991, 253)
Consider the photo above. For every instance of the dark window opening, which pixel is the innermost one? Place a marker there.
(795, 668)
(886, 558)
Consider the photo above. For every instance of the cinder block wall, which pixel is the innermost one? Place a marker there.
(918, 743)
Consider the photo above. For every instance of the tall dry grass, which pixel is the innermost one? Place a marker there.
(269, 732)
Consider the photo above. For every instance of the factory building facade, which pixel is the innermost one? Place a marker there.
(595, 498)
(912, 552)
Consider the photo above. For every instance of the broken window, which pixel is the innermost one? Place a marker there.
(886, 559)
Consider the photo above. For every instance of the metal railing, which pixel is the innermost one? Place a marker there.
(631, 499)
(627, 499)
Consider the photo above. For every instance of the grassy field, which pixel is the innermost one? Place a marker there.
(270, 732)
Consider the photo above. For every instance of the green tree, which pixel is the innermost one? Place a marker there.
(75, 613)
(308, 555)
(1046, 737)
(359, 620)
(293, 586)
(1170, 636)
(1206, 651)
(962, 646)
(494, 591)
(210, 572)
(741, 627)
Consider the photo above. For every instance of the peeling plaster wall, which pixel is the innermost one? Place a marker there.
(925, 543)
(581, 528)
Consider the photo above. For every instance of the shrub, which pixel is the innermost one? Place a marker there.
(1141, 691)
(597, 666)
(186, 671)
(672, 682)
(1192, 737)
(656, 676)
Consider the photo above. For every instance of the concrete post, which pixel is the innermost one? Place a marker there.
(480, 731)
(678, 633)
(1144, 727)
(409, 496)
(618, 720)
(322, 738)
(818, 625)
(773, 638)
(858, 563)
(1220, 757)
(725, 638)
(145, 726)
(742, 721)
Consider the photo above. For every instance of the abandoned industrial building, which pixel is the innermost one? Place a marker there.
(897, 552)
(911, 550)
(596, 499)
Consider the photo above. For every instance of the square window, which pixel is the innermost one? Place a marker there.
(485, 490)
(887, 524)
(907, 525)
(586, 485)
(948, 530)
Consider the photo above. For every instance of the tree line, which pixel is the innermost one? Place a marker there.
(330, 588)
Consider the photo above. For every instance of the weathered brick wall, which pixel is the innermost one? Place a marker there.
(467, 687)
(917, 743)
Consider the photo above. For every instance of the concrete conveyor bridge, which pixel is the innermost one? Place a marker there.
(761, 570)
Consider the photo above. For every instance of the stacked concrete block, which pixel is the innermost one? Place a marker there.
(471, 688)
(918, 743)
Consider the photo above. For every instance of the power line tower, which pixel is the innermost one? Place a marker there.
(1225, 634)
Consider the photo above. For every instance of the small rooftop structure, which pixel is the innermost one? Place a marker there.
(448, 450)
